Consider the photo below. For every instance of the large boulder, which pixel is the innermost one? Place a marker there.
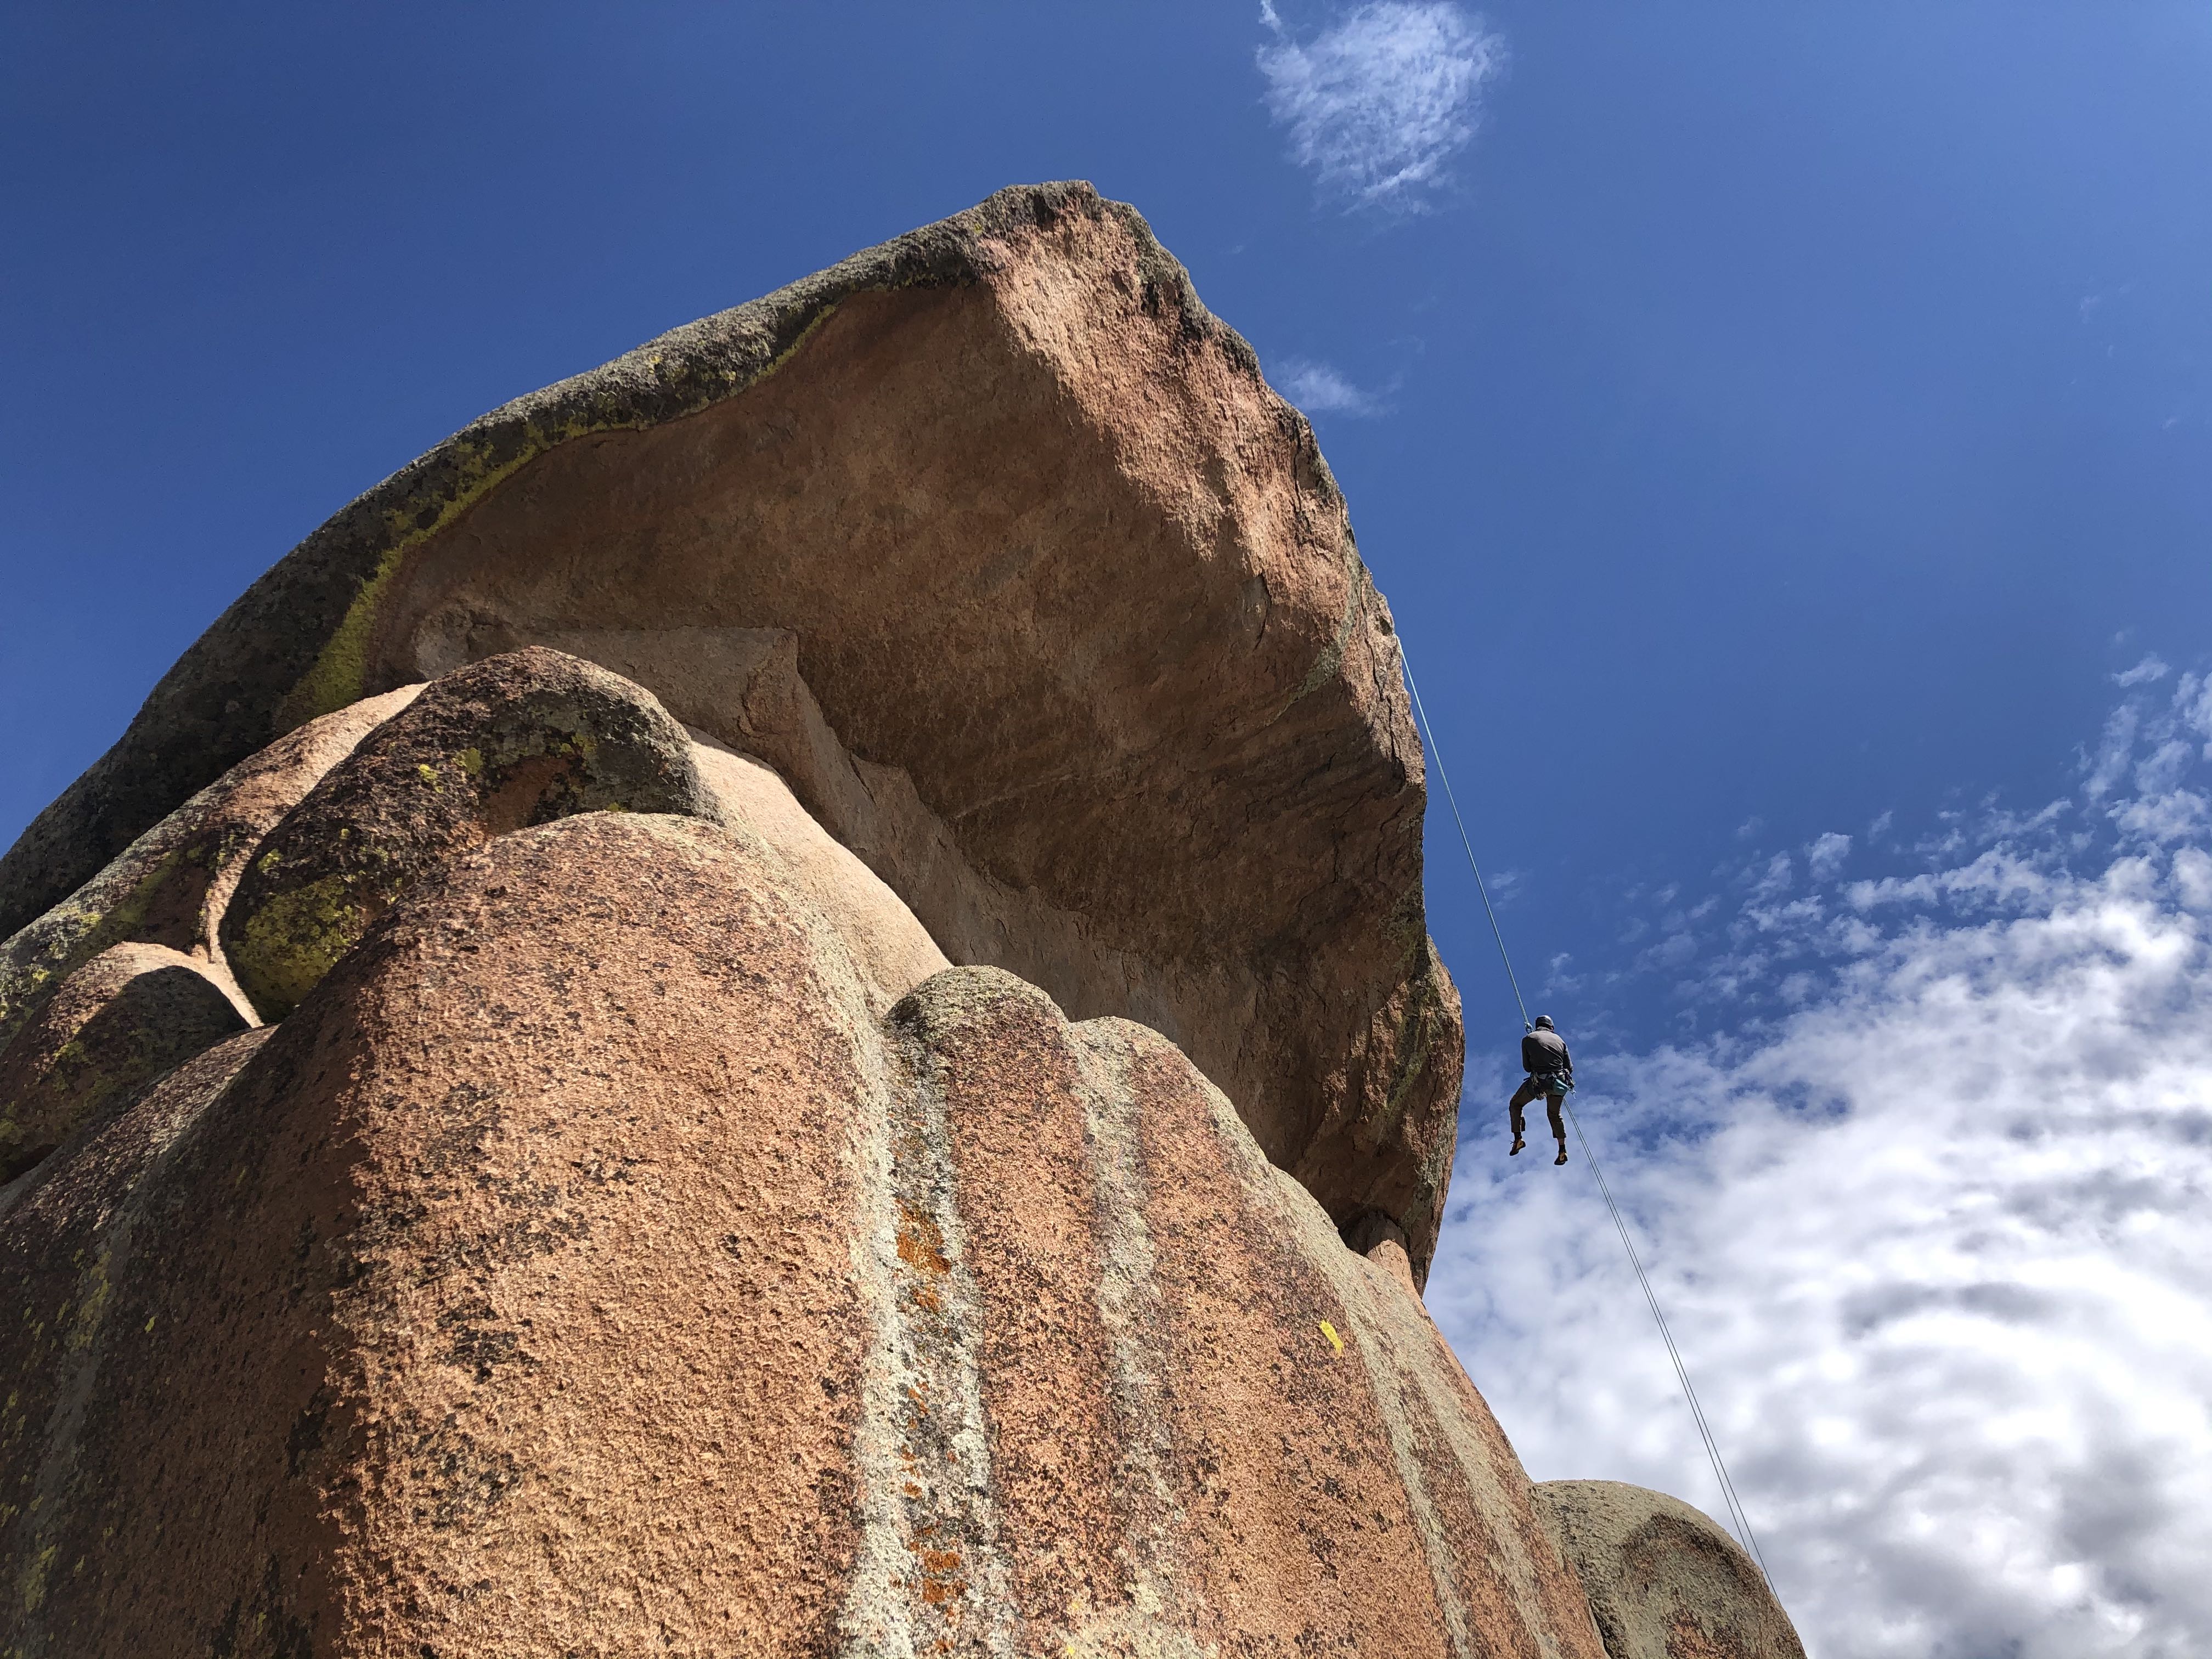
(127, 1018)
(890, 950)
(585, 1266)
(170, 885)
(1664, 1580)
(517, 739)
(993, 543)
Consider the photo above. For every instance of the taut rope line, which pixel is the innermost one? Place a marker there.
(1741, 1520)
(1438, 754)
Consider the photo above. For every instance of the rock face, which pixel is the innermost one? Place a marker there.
(171, 885)
(1664, 1581)
(585, 1266)
(639, 1236)
(890, 951)
(128, 1017)
(515, 740)
(994, 545)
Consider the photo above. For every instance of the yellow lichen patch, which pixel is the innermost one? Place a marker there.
(19, 991)
(339, 673)
(85, 1327)
(295, 939)
(1334, 1341)
(34, 1577)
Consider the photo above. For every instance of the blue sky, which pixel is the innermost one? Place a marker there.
(1771, 424)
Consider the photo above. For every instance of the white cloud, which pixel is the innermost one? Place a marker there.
(2150, 668)
(1773, 881)
(1936, 1238)
(1319, 389)
(2192, 703)
(2160, 770)
(1378, 104)
(2111, 761)
(2192, 878)
(1826, 856)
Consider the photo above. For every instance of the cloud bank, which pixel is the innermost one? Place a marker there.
(1936, 1242)
(1378, 104)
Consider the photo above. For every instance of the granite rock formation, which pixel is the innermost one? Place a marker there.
(173, 883)
(1664, 1581)
(617, 1280)
(511, 741)
(634, 1233)
(993, 543)
(118, 1025)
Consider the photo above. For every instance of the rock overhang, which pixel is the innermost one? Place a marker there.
(1077, 651)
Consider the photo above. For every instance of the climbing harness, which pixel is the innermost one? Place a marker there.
(1741, 1522)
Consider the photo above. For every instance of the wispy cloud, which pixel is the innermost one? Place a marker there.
(1937, 1238)
(2107, 766)
(1827, 855)
(1378, 104)
(1319, 389)
(2151, 668)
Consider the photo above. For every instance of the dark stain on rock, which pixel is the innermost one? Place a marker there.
(309, 1430)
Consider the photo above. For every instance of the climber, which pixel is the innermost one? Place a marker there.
(1550, 1071)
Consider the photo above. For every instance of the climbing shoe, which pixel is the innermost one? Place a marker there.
(1517, 1144)
(1562, 1157)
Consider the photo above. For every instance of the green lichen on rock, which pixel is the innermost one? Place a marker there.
(338, 674)
(160, 889)
(1421, 1026)
(116, 1026)
(1360, 588)
(290, 941)
(482, 456)
(153, 890)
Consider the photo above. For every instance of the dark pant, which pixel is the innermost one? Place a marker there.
(1528, 1091)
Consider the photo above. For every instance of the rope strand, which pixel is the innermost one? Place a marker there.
(1740, 1521)
(1437, 753)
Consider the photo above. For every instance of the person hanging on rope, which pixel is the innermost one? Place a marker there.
(1550, 1071)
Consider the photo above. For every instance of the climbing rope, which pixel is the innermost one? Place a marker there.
(1740, 1521)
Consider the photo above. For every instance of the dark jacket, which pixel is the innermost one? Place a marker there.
(1544, 1054)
